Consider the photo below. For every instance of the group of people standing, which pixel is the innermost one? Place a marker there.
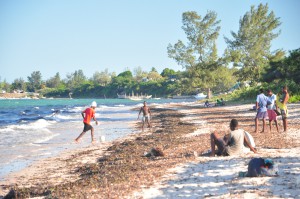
(270, 106)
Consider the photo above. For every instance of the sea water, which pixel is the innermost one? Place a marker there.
(32, 129)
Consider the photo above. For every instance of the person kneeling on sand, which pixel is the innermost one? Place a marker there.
(231, 144)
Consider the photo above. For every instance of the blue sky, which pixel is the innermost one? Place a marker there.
(67, 35)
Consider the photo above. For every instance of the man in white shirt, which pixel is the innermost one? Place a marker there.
(271, 109)
(232, 144)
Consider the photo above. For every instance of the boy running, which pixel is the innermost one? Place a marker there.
(87, 115)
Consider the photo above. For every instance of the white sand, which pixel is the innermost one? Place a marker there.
(217, 177)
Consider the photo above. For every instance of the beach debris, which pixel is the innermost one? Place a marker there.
(154, 152)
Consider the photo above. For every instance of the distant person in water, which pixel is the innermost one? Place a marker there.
(261, 108)
(281, 103)
(146, 115)
(231, 144)
(87, 115)
(271, 109)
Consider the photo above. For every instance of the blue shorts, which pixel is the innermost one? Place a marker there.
(262, 115)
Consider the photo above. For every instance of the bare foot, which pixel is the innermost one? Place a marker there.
(76, 141)
(94, 142)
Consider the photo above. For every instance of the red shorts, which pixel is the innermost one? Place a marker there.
(272, 115)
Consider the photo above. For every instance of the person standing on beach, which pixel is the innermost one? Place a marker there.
(231, 144)
(261, 108)
(271, 109)
(281, 103)
(87, 115)
(146, 115)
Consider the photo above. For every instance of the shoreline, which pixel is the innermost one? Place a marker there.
(180, 130)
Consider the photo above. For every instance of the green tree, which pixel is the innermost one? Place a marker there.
(75, 79)
(250, 46)
(154, 75)
(34, 81)
(199, 55)
(139, 74)
(167, 72)
(285, 69)
(102, 78)
(126, 74)
(225, 79)
(54, 82)
(19, 84)
(5, 86)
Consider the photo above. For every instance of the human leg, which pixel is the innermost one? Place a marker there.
(284, 124)
(270, 123)
(86, 128)
(276, 123)
(216, 140)
(264, 125)
(148, 122)
(92, 135)
(143, 123)
(213, 138)
(256, 125)
(284, 119)
(78, 138)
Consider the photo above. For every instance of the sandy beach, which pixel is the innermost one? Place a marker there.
(119, 169)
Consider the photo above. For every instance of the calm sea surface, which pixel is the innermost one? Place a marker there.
(34, 129)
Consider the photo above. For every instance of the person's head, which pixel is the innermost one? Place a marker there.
(233, 124)
(269, 92)
(284, 89)
(145, 103)
(94, 105)
(261, 90)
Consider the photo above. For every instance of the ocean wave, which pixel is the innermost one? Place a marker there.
(45, 139)
(119, 105)
(76, 109)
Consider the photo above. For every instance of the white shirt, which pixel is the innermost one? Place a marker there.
(272, 99)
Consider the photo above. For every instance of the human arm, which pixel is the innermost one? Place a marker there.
(82, 114)
(249, 145)
(257, 102)
(139, 114)
(226, 139)
(256, 106)
(94, 118)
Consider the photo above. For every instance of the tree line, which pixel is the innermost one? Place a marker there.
(247, 58)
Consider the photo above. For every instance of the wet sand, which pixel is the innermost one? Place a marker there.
(119, 170)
